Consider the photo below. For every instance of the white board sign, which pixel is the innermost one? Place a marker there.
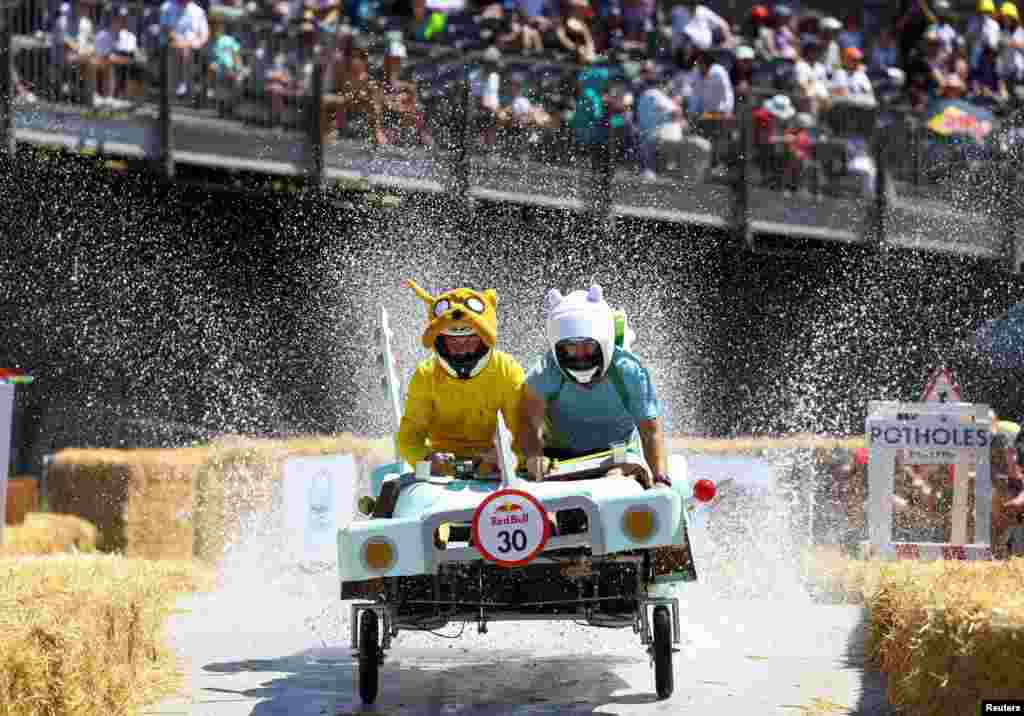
(6, 429)
(319, 499)
(961, 428)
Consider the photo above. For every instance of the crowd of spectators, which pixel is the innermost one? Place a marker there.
(673, 75)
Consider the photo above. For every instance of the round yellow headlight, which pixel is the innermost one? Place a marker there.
(379, 555)
(638, 524)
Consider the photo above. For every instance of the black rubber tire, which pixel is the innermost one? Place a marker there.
(662, 627)
(369, 656)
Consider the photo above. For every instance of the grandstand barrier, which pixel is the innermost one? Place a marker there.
(309, 101)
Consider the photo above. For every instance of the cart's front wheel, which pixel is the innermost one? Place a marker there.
(369, 655)
(663, 681)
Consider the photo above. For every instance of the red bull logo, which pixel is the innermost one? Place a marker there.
(506, 515)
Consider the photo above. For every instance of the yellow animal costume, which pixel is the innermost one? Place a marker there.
(455, 411)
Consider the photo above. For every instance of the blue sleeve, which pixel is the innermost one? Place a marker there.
(542, 379)
(643, 398)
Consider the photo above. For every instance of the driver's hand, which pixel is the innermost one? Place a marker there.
(442, 463)
(537, 468)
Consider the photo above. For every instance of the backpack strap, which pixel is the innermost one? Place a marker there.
(620, 385)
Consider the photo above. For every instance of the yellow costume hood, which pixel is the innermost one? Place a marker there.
(459, 308)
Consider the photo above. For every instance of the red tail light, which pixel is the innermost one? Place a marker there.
(704, 490)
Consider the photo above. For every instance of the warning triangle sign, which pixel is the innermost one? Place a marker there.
(941, 388)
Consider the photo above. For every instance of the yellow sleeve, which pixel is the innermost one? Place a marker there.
(413, 445)
(513, 399)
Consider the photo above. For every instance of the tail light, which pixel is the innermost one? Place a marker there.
(704, 490)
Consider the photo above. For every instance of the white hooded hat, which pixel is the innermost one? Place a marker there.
(581, 314)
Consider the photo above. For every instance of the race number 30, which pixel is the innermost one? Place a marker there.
(510, 528)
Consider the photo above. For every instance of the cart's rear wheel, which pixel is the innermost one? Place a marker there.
(663, 679)
(369, 655)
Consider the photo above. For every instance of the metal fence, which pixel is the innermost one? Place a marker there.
(310, 94)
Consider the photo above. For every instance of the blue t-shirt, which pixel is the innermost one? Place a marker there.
(591, 419)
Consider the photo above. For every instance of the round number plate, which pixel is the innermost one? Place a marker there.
(510, 528)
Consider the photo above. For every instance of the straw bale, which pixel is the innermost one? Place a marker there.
(947, 634)
(84, 635)
(140, 500)
(240, 482)
(160, 502)
(48, 533)
(93, 484)
(22, 498)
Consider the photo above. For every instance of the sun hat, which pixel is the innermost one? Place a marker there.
(780, 106)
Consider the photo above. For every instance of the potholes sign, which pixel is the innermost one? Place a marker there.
(932, 433)
(510, 528)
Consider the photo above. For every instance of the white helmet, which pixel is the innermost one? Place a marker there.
(582, 317)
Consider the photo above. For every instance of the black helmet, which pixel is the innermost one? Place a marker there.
(463, 366)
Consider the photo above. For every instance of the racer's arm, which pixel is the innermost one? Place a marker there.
(532, 413)
(413, 443)
(652, 438)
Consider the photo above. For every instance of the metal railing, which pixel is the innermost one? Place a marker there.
(333, 104)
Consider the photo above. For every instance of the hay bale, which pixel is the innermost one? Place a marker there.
(141, 501)
(85, 635)
(947, 634)
(239, 483)
(49, 533)
(22, 498)
(93, 484)
(161, 498)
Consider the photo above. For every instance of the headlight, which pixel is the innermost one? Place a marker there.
(379, 554)
(639, 523)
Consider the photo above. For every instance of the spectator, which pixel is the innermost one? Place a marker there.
(944, 27)
(757, 24)
(986, 82)
(357, 95)
(1015, 538)
(859, 163)
(226, 68)
(798, 143)
(937, 62)
(707, 88)
(784, 36)
(770, 123)
(913, 20)
(72, 50)
(404, 123)
(851, 36)
(116, 57)
(574, 32)
(742, 75)
(521, 36)
(982, 31)
(636, 16)
(694, 25)
(851, 80)
(1010, 62)
(520, 117)
(188, 31)
(659, 118)
(832, 55)
(485, 87)
(811, 78)
(885, 54)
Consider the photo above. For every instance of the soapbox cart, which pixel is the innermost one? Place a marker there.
(466, 548)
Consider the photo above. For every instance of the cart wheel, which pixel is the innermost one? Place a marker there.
(369, 656)
(662, 646)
